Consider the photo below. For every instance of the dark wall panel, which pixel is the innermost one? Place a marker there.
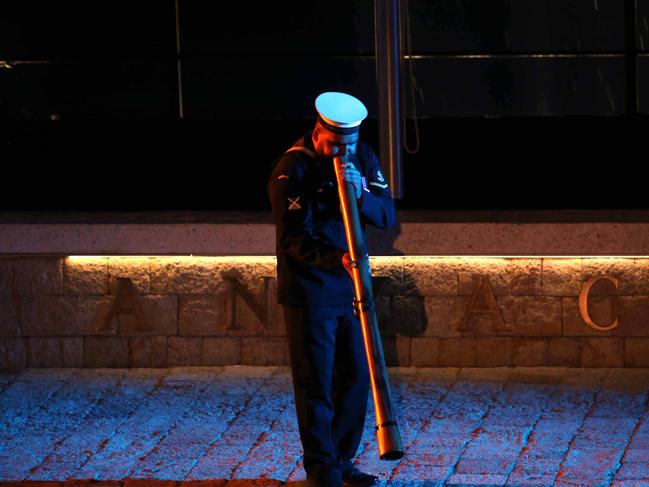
(535, 86)
(100, 91)
(73, 29)
(272, 87)
(517, 26)
(452, 86)
(157, 165)
(346, 27)
(217, 28)
(462, 164)
(643, 83)
(270, 59)
(553, 163)
(642, 25)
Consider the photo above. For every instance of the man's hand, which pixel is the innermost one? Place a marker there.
(351, 174)
(348, 263)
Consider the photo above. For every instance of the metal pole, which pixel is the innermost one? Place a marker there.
(388, 59)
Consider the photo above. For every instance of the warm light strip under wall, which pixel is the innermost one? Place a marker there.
(371, 256)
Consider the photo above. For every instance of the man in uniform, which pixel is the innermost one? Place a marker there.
(327, 354)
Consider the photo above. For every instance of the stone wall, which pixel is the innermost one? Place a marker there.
(433, 311)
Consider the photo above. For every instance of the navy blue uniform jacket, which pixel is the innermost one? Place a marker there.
(310, 234)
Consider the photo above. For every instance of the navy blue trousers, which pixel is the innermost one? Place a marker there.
(330, 381)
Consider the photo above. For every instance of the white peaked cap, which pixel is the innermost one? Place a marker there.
(340, 110)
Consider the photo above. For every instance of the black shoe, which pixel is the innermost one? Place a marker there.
(325, 477)
(354, 477)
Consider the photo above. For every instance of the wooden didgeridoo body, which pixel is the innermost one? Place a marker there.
(387, 429)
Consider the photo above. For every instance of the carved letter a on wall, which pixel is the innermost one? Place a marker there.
(126, 302)
(484, 294)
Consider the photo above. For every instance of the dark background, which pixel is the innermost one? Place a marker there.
(522, 104)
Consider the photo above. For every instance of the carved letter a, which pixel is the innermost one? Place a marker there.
(483, 289)
(126, 302)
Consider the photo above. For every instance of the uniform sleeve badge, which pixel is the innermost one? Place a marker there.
(381, 180)
(293, 203)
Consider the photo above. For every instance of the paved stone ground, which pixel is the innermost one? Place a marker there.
(235, 426)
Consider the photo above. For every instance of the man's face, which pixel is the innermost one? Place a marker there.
(330, 144)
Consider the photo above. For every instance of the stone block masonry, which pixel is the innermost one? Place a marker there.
(138, 311)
